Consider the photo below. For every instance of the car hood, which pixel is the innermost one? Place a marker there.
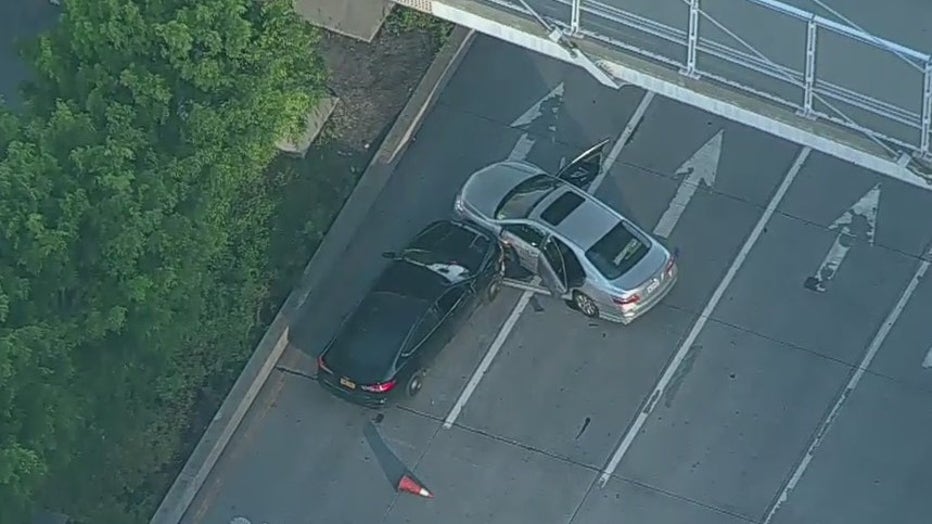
(486, 188)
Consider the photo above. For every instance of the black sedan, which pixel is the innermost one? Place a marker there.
(412, 311)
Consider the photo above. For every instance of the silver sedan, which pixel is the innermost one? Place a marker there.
(584, 252)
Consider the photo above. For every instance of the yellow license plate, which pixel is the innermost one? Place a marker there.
(348, 383)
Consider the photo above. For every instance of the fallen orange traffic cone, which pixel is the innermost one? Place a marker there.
(407, 483)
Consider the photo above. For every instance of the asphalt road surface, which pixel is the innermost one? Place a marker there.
(19, 20)
(793, 352)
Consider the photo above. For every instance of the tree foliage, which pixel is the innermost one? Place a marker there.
(134, 222)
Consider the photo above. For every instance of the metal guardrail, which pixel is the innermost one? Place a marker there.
(811, 83)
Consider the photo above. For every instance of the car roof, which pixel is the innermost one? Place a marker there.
(372, 337)
(585, 224)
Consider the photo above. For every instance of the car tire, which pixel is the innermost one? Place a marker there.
(415, 383)
(494, 287)
(585, 305)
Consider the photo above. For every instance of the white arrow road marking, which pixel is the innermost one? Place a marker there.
(858, 221)
(672, 368)
(523, 147)
(536, 111)
(702, 166)
(852, 384)
(519, 152)
(927, 362)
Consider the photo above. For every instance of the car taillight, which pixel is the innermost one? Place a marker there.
(627, 301)
(321, 365)
(670, 265)
(382, 387)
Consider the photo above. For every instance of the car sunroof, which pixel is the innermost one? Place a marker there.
(561, 208)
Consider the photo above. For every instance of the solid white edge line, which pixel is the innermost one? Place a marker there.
(674, 364)
(622, 140)
(869, 355)
(486, 362)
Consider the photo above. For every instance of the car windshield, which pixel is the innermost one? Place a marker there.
(449, 270)
(519, 202)
(616, 252)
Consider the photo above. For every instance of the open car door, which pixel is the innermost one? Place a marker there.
(552, 270)
(585, 167)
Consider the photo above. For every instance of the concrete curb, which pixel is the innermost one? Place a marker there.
(335, 243)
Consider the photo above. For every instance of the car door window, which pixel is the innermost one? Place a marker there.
(549, 276)
(528, 234)
(575, 273)
(585, 168)
(554, 257)
(450, 300)
(421, 331)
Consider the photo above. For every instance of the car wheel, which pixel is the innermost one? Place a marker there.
(585, 305)
(494, 287)
(415, 383)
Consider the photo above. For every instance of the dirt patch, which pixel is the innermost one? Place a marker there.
(373, 81)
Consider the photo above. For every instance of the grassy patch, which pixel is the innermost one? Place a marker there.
(404, 19)
(311, 191)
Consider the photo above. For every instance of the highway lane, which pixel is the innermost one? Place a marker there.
(766, 364)
(300, 455)
(876, 456)
(591, 378)
(597, 371)
(774, 357)
(19, 21)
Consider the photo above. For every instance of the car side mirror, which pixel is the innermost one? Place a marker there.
(391, 255)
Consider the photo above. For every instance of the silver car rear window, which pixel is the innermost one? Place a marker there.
(616, 252)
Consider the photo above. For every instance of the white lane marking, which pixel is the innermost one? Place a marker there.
(674, 364)
(848, 232)
(849, 388)
(487, 359)
(927, 362)
(522, 147)
(622, 140)
(520, 152)
(702, 167)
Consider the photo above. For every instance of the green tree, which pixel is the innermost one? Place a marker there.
(135, 220)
